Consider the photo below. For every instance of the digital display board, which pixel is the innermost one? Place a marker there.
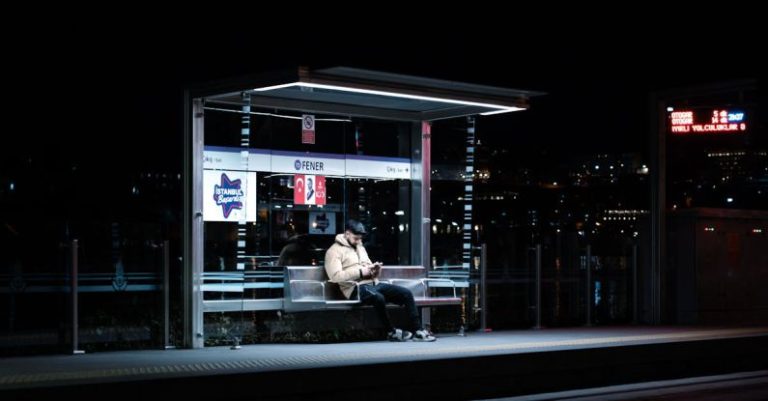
(707, 121)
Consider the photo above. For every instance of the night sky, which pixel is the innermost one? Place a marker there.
(116, 86)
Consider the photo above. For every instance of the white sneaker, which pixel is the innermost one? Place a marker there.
(423, 335)
(399, 335)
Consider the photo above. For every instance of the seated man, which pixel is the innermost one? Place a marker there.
(346, 260)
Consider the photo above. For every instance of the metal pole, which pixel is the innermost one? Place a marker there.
(634, 284)
(483, 299)
(658, 201)
(462, 330)
(538, 287)
(589, 285)
(73, 292)
(166, 296)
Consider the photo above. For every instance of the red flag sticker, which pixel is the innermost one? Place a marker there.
(299, 183)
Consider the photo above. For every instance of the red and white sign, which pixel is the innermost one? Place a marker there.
(308, 129)
(320, 190)
(309, 189)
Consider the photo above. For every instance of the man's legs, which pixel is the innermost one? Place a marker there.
(380, 294)
(370, 295)
(401, 296)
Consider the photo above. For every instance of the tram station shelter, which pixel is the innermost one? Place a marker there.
(276, 163)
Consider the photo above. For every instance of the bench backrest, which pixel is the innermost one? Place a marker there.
(305, 285)
(317, 273)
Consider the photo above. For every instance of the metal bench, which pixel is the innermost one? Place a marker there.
(307, 288)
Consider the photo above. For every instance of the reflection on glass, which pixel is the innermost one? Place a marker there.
(286, 232)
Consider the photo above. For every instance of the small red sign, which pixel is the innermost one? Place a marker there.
(308, 129)
(320, 190)
(308, 137)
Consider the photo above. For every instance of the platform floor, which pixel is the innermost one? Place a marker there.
(256, 361)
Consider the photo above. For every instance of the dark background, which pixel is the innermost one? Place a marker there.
(93, 104)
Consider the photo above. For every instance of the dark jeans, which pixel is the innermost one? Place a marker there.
(381, 294)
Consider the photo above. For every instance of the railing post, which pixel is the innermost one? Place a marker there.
(634, 284)
(462, 327)
(166, 296)
(538, 287)
(589, 286)
(74, 300)
(483, 290)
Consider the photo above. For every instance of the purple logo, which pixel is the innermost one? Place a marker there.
(297, 164)
(228, 195)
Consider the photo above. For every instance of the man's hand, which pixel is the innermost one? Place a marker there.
(376, 269)
(367, 272)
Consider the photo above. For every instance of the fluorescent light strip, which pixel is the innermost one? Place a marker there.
(507, 110)
(502, 109)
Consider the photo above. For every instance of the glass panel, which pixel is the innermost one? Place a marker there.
(254, 160)
(716, 169)
(120, 285)
(383, 207)
(453, 239)
(300, 234)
